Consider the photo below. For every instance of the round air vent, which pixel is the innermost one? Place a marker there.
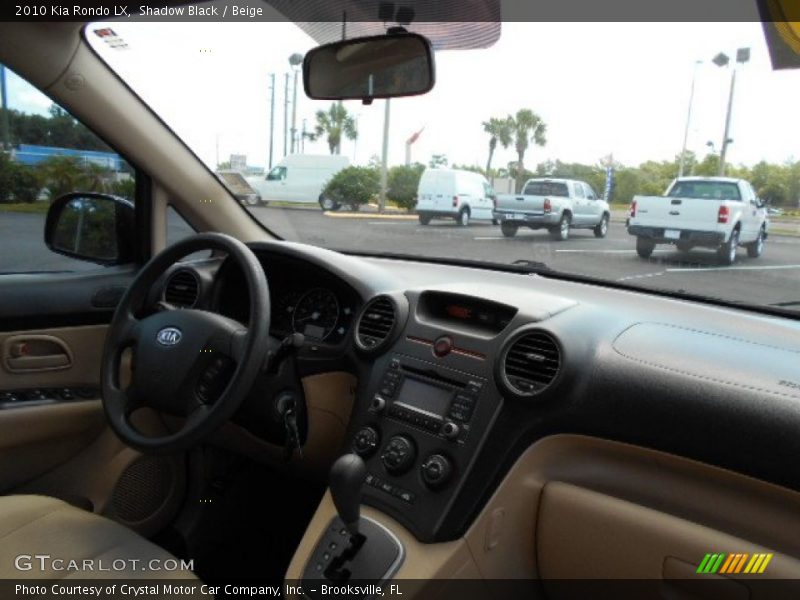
(182, 289)
(530, 363)
(376, 323)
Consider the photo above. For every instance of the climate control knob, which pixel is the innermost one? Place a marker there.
(436, 470)
(399, 454)
(366, 441)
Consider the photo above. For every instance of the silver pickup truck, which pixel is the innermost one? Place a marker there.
(557, 205)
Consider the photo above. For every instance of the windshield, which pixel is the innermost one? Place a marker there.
(646, 105)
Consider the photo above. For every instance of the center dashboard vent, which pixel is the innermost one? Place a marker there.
(182, 289)
(376, 323)
(531, 363)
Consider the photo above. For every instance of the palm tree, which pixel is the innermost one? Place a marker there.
(499, 130)
(526, 127)
(334, 123)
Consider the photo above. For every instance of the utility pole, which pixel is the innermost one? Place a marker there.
(725, 139)
(285, 110)
(294, 112)
(303, 139)
(384, 158)
(271, 116)
(4, 128)
(688, 121)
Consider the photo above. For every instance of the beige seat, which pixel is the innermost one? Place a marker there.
(36, 526)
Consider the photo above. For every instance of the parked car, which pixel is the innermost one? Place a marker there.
(557, 205)
(711, 212)
(300, 178)
(454, 194)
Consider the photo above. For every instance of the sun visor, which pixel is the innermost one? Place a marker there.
(781, 21)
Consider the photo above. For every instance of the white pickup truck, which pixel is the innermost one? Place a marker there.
(557, 205)
(711, 212)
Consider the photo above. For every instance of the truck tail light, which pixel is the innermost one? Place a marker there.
(455, 200)
(633, 209)
(723, 214)
(547, 205)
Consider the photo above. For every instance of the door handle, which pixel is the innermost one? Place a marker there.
(27, 353)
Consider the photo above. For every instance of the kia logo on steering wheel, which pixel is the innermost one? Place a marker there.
(169, 336)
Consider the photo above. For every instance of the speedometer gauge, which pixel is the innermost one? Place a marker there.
(316, 314)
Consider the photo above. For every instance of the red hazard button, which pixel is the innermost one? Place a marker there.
(442, 346)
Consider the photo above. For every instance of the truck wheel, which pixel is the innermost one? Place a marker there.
(560, 232)
(495, 222)
(424, 219)
(463, 217)
(727, 252)
(644, 247)
(508, 229)
(327, 204)
(756, 249)
(601, 229)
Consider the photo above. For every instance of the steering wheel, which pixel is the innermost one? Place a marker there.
(178, 354)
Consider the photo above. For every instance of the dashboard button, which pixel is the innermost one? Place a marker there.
(442, 346)
(378, 404)
(450, 430)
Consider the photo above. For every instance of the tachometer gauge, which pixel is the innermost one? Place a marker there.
(316, 314)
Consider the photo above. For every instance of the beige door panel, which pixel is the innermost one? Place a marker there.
(36, 439)
(63, 357)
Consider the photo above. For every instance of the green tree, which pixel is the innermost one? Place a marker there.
(709, 166)
(63, 174)
(403, 183)
(499, 131)
(333, 124)
(526, 127)
(353, 186)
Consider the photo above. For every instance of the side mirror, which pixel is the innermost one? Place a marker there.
(93, 227)
(384, 66)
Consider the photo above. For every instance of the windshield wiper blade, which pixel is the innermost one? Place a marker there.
(534, 265)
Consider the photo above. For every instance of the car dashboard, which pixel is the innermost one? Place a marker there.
(459, 370)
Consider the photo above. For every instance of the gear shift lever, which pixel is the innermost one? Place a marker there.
(346, 483)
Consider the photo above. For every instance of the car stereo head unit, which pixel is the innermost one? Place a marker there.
(440, 403)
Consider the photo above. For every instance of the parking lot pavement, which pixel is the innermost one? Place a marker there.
(773, 278)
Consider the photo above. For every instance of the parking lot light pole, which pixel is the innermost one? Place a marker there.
(384, 158)
(688, 119)
(722, 60)
(294, 60)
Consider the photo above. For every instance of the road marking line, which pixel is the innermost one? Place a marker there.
(603, 251)
(752, 268)
(642, 276)
(489, 238)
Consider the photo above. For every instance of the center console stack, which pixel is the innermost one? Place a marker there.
(419, 435)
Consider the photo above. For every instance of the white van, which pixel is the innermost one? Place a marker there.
(454, 194)
(298, 178)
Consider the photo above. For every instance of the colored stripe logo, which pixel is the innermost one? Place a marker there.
(735, 563)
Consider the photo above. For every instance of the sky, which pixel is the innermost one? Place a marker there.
(601, 88)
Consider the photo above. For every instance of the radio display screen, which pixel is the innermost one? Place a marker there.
(429, 398)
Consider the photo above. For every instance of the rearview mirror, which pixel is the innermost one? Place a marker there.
(93, 227)
(384, 66)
